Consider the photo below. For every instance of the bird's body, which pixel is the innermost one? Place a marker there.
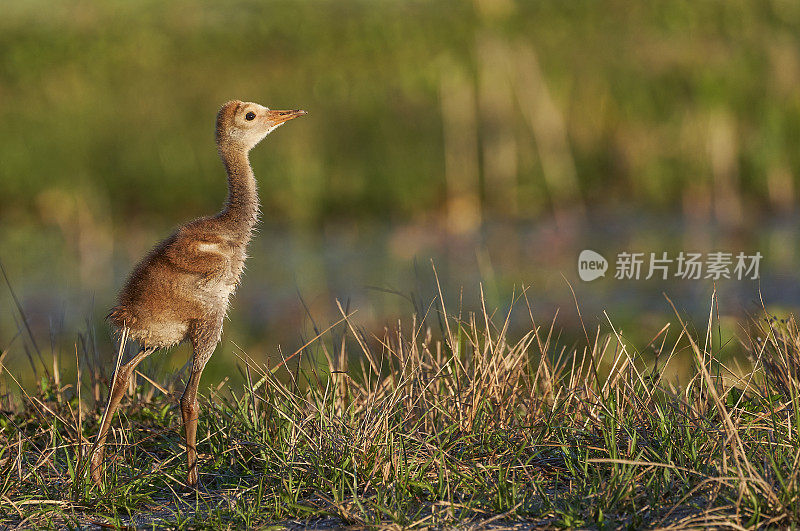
(184, 282)
(181, 290)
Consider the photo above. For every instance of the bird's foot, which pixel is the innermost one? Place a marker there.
(195, 487)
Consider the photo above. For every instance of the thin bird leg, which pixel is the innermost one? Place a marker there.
(118, 386)
(190, 412)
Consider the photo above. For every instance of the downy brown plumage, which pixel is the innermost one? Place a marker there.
(181, 289)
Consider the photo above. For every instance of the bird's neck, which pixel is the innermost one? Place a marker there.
(241, 207)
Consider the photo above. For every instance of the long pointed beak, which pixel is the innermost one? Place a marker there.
(278, 117)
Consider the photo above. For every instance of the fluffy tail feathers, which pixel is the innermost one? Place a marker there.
(121, 317)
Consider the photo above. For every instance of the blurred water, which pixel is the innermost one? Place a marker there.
(384, 272)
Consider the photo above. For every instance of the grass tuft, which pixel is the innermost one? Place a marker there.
(440, 420)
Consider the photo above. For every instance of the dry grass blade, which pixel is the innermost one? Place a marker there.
(476, 424)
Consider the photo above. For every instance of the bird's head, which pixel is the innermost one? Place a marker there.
(243, 124)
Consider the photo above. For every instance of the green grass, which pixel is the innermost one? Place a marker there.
(662, 105)
(441, 420)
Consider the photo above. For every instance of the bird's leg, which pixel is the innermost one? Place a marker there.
(190, 413)
(117, 391)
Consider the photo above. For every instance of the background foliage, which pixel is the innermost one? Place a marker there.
(497, 137)
(668, 106)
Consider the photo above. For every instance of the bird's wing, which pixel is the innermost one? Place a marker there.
(206, 255)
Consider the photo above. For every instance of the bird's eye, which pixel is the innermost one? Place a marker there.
(250, 116)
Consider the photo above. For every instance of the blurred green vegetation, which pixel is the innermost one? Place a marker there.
(496, 137)
(520, 108)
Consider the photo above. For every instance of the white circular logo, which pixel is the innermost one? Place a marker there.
(591, 265)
